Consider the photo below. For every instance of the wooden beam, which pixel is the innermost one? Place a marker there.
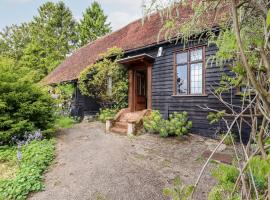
(149, 86)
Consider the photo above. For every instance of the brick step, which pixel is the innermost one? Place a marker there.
(120, 124)
(121, 131)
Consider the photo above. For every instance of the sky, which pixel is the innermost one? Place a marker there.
(119, 12)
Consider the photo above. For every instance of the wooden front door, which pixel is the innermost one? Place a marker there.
(140, 90)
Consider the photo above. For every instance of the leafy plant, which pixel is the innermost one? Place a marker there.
(106, 114)
(215, 117)
(36, 156)
(226, 176)
(154, 122)
(63, 94)
(178, 124)
(106, 80)
(229, 140)
(64, 122)
(260, 169)
(179, 191)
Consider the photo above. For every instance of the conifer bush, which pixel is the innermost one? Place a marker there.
(24, 106)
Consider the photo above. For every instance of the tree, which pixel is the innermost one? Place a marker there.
(24, 106)
(13, 40)
(244, 40)
(93, 24)
(53, 37)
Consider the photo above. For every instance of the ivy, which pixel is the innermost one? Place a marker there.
(93, 81)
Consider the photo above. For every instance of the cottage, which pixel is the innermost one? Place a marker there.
(165, 76)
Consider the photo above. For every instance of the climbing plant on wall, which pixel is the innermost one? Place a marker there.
(106, 80)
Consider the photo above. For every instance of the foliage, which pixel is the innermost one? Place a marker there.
(226, 175)
(229, 140)
(57, 39)
(179, 191)
(93, 24)
(13, 40)
(178, 124)
(260, 169)
(24, 106)
(243, 47)
(153, 122)
(36, 157)
(63, 93)
(215, 117)
(94, 80)
(64, 122)
(106, 114)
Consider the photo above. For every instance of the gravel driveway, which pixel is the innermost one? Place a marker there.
(93, 165)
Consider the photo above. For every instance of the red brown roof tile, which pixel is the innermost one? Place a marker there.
(133, 36)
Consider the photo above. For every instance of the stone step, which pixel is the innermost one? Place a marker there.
(120, 124)
(121, 131)
(131, 116)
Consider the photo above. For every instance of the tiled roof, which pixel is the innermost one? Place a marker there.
(133, 36)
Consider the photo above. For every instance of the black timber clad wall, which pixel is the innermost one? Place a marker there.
(162, 88)
(88, 105)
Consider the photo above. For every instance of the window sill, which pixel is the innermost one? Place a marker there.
(191, 95)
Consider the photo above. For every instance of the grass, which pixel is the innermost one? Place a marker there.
(64, 122)
(18, 179)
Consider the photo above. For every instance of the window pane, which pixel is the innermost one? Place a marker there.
(181, 58)
(196, 54)
(196, 75)
(181, 82)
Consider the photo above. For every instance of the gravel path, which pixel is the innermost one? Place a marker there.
(93, 165)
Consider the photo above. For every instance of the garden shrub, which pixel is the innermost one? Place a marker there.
(107, 114)
(229, 140)
(154, 122)
(177, 124)
(24, 106)
(179, 191)
(94, 81)
(226, 176)
(35, 158)
(63, 95)
(64, 122)
(260, 169)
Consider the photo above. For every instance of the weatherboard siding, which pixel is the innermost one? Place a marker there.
(162, 88)
(84, 105)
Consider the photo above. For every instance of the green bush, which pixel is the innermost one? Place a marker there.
(260, 169)
(64, 122)
(106, 114)
(153, 122)
(178, 191)
(36, 156)
(24, 106)
(177, 125)
(226, 176)
(228, 140)
(108, 84)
